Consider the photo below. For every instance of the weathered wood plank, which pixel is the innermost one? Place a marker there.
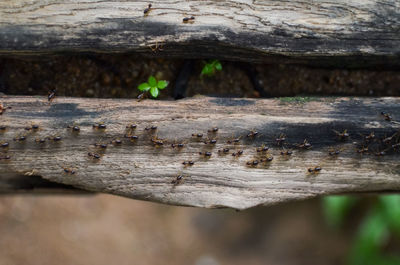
(144, 171)
(352, 32)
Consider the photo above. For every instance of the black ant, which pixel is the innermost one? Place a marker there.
(334, 152)
(99, 126)
(188, 19)
(223, 151)
(101, 145)
(141, 97)
(198, 135)
(304, 145)
(116, 142)
(280, 139)
(40, 140)
(205, 154)
(69, 171)
(4, 144)
(178, 180)
(3, 127)
(314, 170)
(74, 128)
(55, 138)
(363, 150)
(234, 140)
(20, 138)
(7, 157)
(213, 130)
(147, 10)
(33, 127)
(386, 116)
(263, 148)
(210, 141)
(157, 142)
(94, 155)
(387, 140)
(238, 153)
(342, 135)
(188, 163)
(369, 137)
(132, 138)
(252, 163)
(151, 128)
(252, 134)
(268, 158)
(286, 152)
(156, 47)
(178, 145)
(51, 95)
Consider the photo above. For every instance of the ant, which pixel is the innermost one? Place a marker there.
(268, 158)
(40, 140)
(238, 153)
(130, 128)
(286, 152)
(198, 135)
(101, 145)
(178, 180)
(369, 137)
(362, 150)
(387, 140)
(394, 146)
(116, 141)
(147, 10)
(304, 145)
(252, 134)
(386, 116)
(3, 109)
(94, 155)
(99, 126)
(141, 97)
(263, 148)
(188, 163)
(69, 171)
(7, 157)
(314, 170)
(205, 154)
(74, 128)
(188, 19)
(210, 141)
(234, 140)
(280, 139)
(151, 128)
(3, 127)
(178, 145)
(156, 47)
(223, 151)
(157, 142)
(51, 95)
(33, 127)
(132, 138)
(20, 138)
(213, 130)
(55, 138)
(342, 135)
(334, 152)
(252, 163)
(4, 144)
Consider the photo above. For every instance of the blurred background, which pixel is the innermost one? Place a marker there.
(105, 229)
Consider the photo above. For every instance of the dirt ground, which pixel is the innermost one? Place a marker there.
(106, 229)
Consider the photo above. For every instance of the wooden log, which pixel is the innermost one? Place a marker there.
(147, 168)
(340, 33)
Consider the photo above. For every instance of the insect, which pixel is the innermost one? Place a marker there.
(132, 138)
(101, 145)
(386, 116)
(394, 146)
(334, 152)
(3, 127)
(198, 135)
(40, 140)
(210, 141)
(3, 109)
(178, 145)
(268, 158)
(252, 163)
(262, 148)
(314, 170)
(156, 47)
(4, 144)
(116, 141)
(147, 10)
(94, 155)
(234, 140)
(69, 171)
(99, 126)
(131, 127)
(342, 135)
(178, 180)
(188, 163)
(55, 138)
(151, 128)
(286, 152)
(369, 137)
(213, 130)
(141, 97)
(157, 142)
(188, 19)
(252, 134)
(205, 154)
(223, 151)
(20, 138)
(389, 139)
(362, 150)
(7, 157)
(51, 95)
(281, 139)
(238, 153)
(32, 127)
(74, 128)
(304, 145)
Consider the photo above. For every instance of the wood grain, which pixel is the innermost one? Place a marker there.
(331, 33)
(143, 171)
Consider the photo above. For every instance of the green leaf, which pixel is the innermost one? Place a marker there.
(162, 84)
(144, 87)
(336, 208)
(152, 81)
(218, 66)
(390, 207)
(154, 92)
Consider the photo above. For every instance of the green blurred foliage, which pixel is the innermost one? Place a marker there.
(211, 67)
(381, 223)
(153, 86)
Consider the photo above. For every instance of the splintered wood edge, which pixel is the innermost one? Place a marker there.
(144, 171)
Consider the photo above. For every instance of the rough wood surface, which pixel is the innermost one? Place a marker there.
(144, 171)
(354, 32)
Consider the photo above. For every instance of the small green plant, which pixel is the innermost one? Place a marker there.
(211, 67)
(153, 86)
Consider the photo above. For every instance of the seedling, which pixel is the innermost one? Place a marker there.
(211, 67)
(153, 86)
